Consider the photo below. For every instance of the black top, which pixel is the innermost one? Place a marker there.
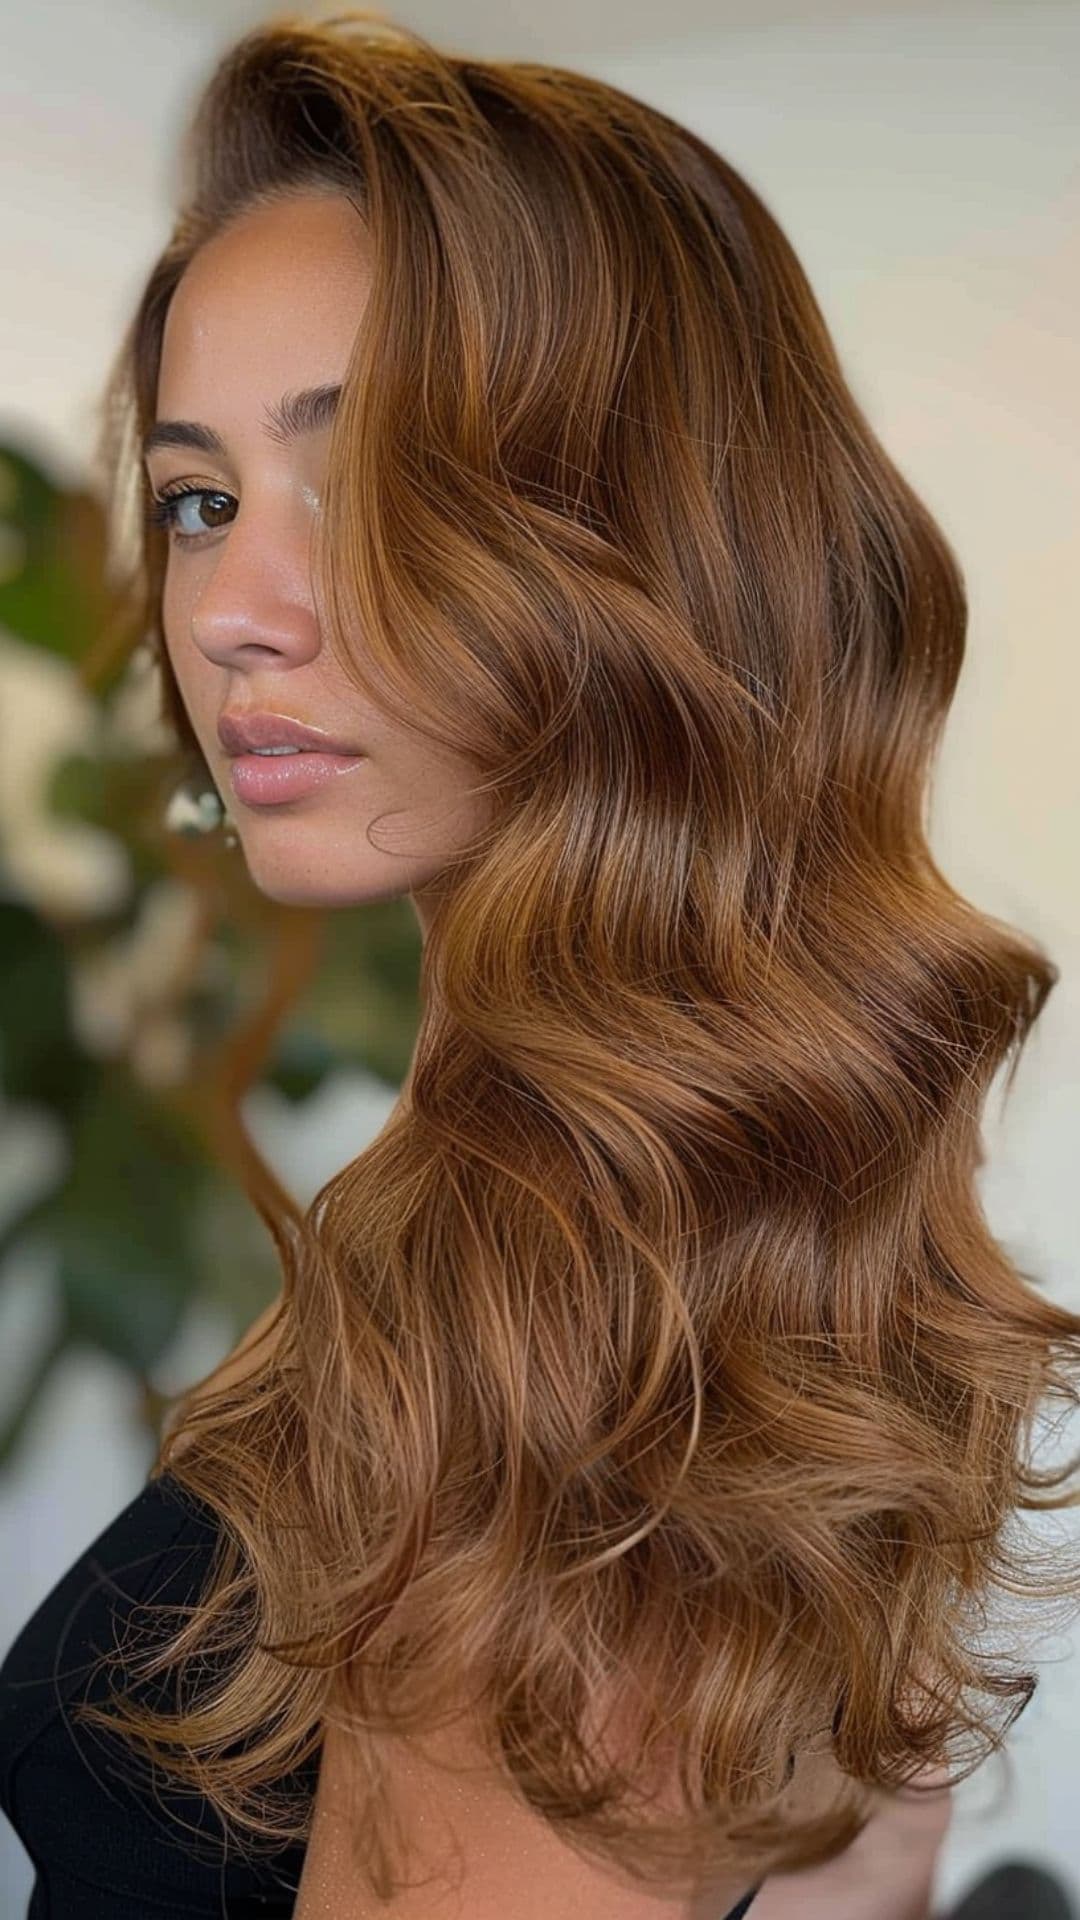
(106, 1840)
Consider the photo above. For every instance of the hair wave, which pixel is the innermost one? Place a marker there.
(659, 1341)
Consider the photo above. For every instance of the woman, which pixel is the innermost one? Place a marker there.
(601, 1519)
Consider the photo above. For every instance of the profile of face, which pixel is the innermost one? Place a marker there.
(268, 309)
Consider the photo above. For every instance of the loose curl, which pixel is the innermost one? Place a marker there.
(658, 1346)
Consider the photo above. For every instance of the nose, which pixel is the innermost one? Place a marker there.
(254, 608)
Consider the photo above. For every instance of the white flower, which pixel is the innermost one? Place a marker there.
(193, 813)
(136, 719)
(63, 866)
(137, 974)
(162, 1052)
(162, 940)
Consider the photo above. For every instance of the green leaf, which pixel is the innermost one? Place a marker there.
(300, 1063)
(40, 1057)
(109, 789)
(30, 1388)
(366, 1002)
(57, 595)
(22, 1224)
(125, 1224)
(77, 788)
(241, 1265)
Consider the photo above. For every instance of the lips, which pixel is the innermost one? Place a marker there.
(269, 779)
(242, 733)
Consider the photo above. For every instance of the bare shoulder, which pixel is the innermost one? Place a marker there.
(887, 1873)
(250, 1351)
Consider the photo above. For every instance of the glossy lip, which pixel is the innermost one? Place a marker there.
(239, 733)
(269, 781)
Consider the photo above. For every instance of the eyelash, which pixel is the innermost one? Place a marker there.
(162, 512)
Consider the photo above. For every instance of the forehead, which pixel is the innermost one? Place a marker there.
(271, 301)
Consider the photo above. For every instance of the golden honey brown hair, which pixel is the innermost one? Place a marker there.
(659, 1344)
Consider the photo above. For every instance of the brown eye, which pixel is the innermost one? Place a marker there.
(167, 508)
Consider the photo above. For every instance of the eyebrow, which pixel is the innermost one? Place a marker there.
(292, 415)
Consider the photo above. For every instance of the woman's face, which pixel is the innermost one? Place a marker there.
(267, 309)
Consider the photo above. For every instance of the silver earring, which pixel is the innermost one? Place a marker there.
(190, 812)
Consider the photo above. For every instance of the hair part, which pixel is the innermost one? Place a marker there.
(660, 1345)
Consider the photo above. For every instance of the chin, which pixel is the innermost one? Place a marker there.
(295, 894)
(300, 888)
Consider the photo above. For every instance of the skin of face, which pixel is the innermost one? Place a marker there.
(269, 306)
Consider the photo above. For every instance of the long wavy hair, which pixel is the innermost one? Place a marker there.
(657, 1350)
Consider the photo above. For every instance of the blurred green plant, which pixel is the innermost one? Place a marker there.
(145, 985)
